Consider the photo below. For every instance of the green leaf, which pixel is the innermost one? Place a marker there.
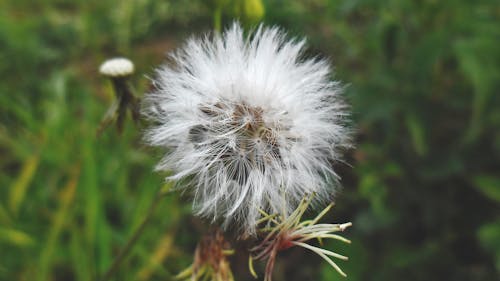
(489, 186)
(20, 185)
(489, 237)
(417, 133)
(15, 237)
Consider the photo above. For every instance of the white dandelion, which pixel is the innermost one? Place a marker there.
(117, 67)
(250, 122)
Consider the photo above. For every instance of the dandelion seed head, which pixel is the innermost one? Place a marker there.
(251, 121)
(117, 67)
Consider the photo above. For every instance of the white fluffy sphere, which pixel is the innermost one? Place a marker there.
(117, 67)
(250, 122)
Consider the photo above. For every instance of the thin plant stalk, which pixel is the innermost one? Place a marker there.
(218, 19)
(135, 236)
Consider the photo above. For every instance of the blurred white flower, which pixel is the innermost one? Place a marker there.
(253, 124)
(118, 70)
(117, 67)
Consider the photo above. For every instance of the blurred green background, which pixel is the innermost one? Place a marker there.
(423, 192)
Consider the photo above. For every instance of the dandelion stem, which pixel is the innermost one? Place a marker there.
(218, 19)
(135, 236)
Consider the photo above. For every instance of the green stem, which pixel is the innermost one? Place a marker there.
(131, 242)
(218, 19)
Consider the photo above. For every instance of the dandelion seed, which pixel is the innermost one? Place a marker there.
(253, 123)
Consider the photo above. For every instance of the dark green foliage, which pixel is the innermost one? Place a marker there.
(423, 192)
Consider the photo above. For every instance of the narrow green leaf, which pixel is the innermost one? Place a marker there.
(66, 198)
(15, 237)
(20, 185)
(489, 186)
(489, 237)
(417, 133)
